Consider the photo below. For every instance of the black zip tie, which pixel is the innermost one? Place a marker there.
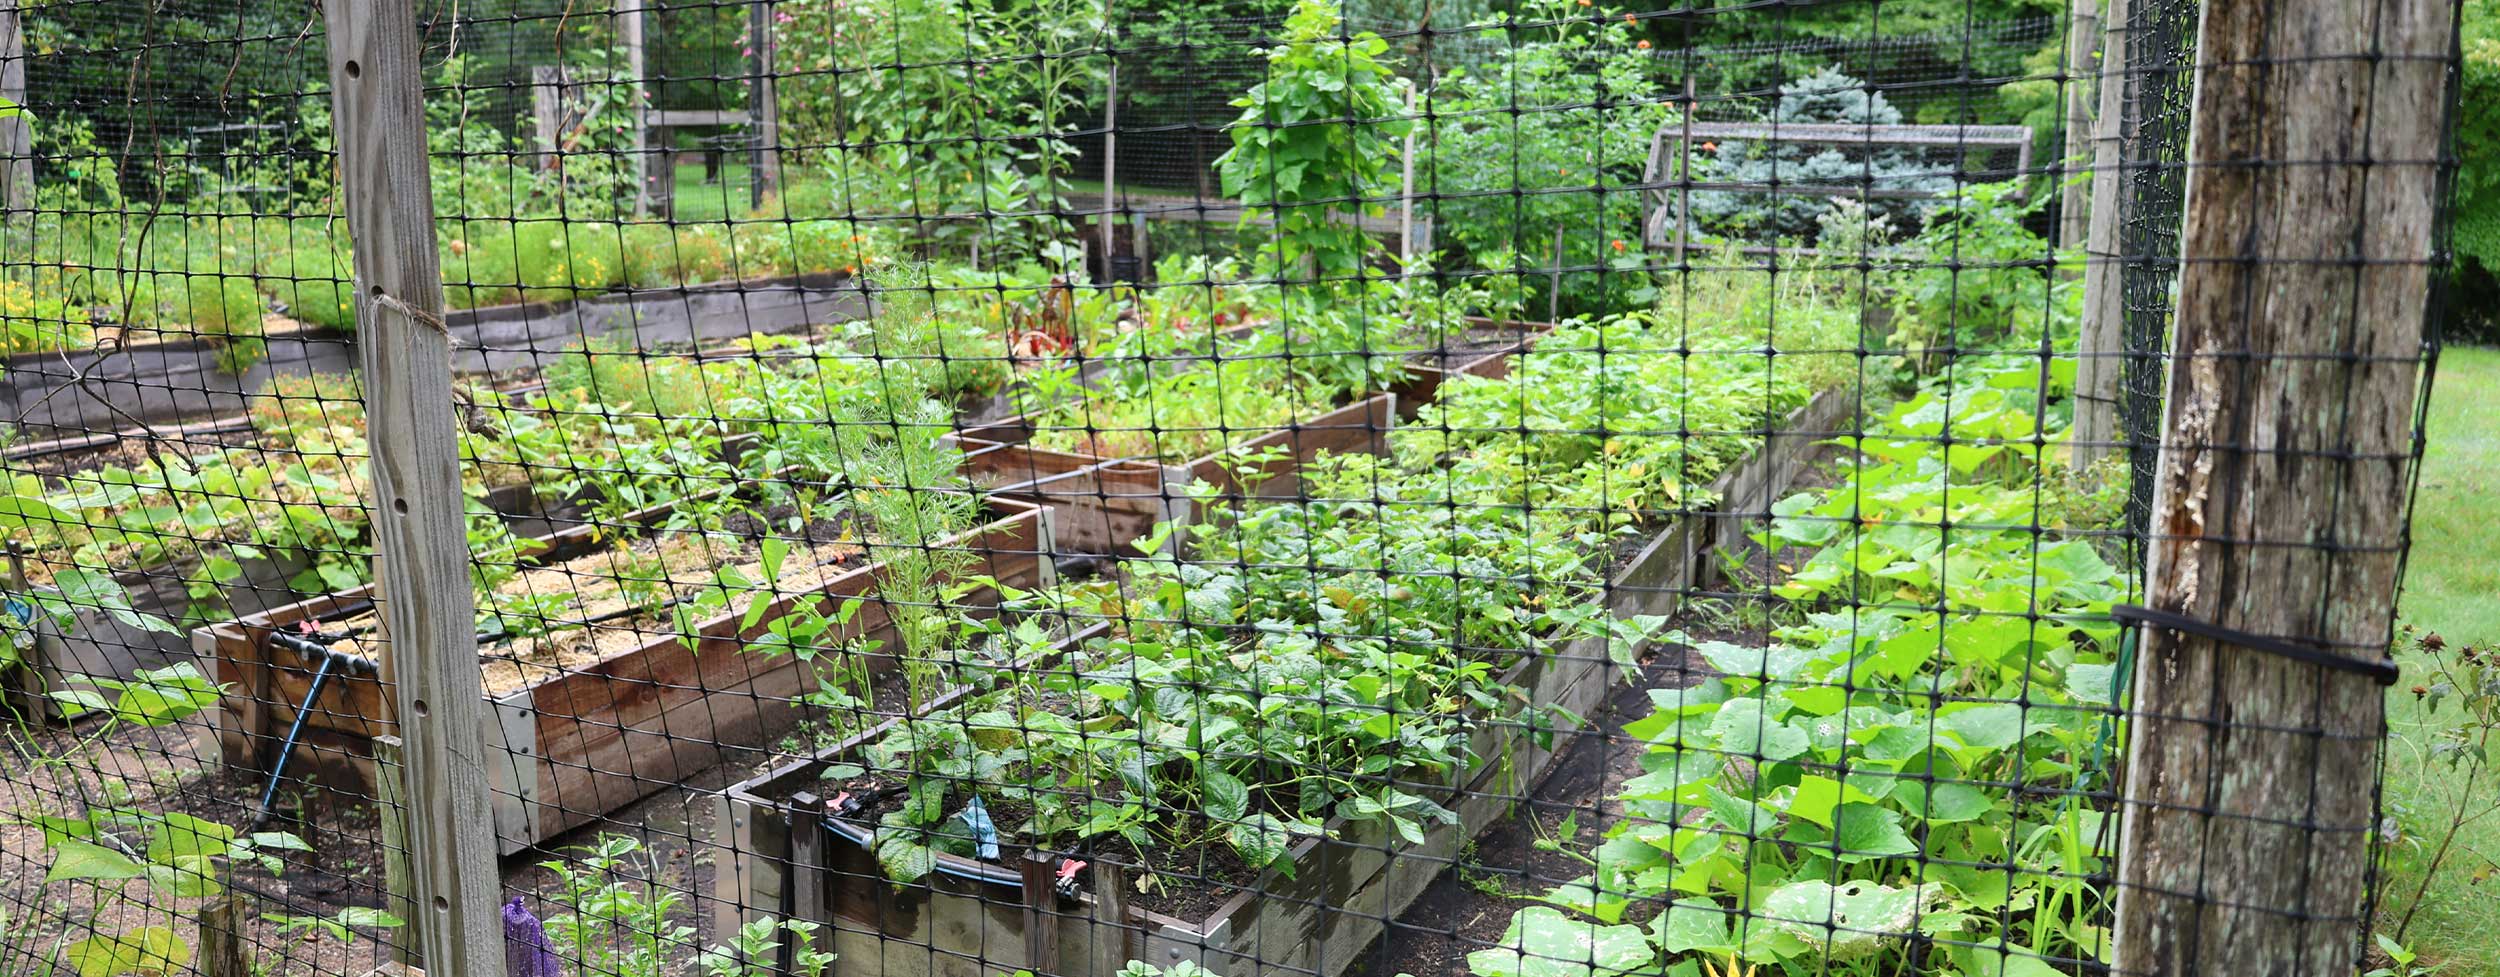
(2382, 670)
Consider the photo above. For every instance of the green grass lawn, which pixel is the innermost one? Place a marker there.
(2452, 587)
(701, 201)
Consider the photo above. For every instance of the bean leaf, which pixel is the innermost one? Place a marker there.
(1227, 798)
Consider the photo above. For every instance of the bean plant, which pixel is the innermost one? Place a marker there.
(1301, 670)
(1831, 798)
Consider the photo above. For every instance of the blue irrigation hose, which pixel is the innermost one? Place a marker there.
(866, 838)
(314, 648)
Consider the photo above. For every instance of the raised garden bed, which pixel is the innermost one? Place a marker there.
(303, 443)
(1104, 504)
(153, 376)
(1483, 349)
(260, 577)
(778, 854)
(1013, 397)
(589, 734)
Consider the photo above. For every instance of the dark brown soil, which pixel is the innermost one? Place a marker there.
(1629, 546)
(1192, 883)
(775, 521)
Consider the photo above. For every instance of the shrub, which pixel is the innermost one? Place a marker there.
(835, 245)
(222, 308)
(317, 285)
(558, 260)
(1523, 138)
(204, 305)
(478, 266)
(1982, 280)
(666, 256)
(2477, 210)
(1825, 96)
(759, 250)
(30, 323)
(1317, 137)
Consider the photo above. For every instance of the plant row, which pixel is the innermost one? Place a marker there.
(1317, 660)
(1909, 777)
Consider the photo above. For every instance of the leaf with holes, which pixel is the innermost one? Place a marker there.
(1850, 920)
(1545, 942)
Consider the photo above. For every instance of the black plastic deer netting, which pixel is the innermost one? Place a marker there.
(2160, 53)
(975, 488)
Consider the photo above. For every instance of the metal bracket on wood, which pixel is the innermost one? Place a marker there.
(2383, 671)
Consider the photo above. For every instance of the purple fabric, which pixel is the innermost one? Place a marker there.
(525, 949)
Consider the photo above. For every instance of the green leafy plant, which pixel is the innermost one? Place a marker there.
(180, 859)
(1316, 140)
(1534, 149)
(2461, 689)
(1982, 281)
(2476, 232)
(758, 941)
(1799, 786)
(929, 71)
(612, 918)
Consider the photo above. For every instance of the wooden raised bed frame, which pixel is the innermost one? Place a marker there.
(176, 374)
(1345, 888)
(591, 739)
(1423, 381)
(1104, 504)
(97, 644)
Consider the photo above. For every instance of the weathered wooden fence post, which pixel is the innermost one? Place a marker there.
(2083, 29)
(398, 875)
(763, 103)
(2104, 314)
(2282, 495)
(421, 561)
(17, 133)
(648, 192)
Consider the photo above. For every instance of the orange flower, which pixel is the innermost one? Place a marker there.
(1618, 244)
(1631, 19)
(1644, 45)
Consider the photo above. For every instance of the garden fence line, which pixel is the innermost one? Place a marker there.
(509, 489)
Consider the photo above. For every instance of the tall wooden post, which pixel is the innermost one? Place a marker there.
(2083, 36)
(2104, 309)
(629, 28)
(2282, 495)
(421, 561)
(1111, 168)
(1406, 192)
(764, 102)
(390, 798)
(17, 135)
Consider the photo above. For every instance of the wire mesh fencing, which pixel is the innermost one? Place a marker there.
(1063, 488)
